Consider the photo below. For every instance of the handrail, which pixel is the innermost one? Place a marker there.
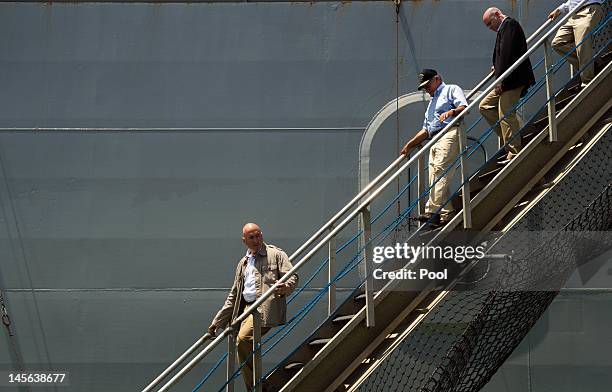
(179, 360)
(335, 229)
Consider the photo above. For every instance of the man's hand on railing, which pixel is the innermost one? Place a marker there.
(415, 141)
(554, 14)
(212, 329)
(282, 290)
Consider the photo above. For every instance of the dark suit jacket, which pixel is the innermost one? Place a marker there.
(510, 45)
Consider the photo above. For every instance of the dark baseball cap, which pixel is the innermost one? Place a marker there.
(425, 76)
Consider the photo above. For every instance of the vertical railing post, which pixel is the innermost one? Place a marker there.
(550, 95)
(257, 366)
(467, 208)
(421, 183)
(331, 268)
(231, 363)
(367, 260)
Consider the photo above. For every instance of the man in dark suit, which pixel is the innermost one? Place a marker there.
(510, 45)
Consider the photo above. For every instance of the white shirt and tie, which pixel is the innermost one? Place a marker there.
(250, 291)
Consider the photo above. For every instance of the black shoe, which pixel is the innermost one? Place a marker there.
(428, 217)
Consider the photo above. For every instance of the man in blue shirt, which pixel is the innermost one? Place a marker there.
(447, 101)
(576, 29)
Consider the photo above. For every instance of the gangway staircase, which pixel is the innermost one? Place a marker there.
(347, 346)
(344, 347)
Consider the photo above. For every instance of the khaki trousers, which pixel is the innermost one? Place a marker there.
(442, 155)
(573, 32)
(495, 106)
(244, 347)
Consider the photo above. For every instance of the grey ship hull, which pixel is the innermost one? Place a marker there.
(118, 246)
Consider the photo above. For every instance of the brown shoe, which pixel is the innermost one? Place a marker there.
(447, 218)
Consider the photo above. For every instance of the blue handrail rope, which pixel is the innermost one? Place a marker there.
(356, 259)
(210, 372)
(395, 199)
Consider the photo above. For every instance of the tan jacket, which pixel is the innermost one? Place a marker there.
(271, 263)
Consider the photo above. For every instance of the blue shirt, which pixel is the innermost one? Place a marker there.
(571, 4)
(446, 97)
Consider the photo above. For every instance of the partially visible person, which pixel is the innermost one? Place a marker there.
(574, 31)
(447, 101)
(257, 271)
(510, 45)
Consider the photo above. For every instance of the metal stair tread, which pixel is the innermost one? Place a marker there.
(490, 173)
(362, 296)
(317, 342)
(340, 319)
(294, 366)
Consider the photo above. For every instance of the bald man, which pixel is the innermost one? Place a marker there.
(510, 45)
(257, 271)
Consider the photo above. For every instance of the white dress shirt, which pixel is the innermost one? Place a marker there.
(250, 291)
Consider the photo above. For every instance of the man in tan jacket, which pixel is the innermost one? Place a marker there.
(256, 272)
